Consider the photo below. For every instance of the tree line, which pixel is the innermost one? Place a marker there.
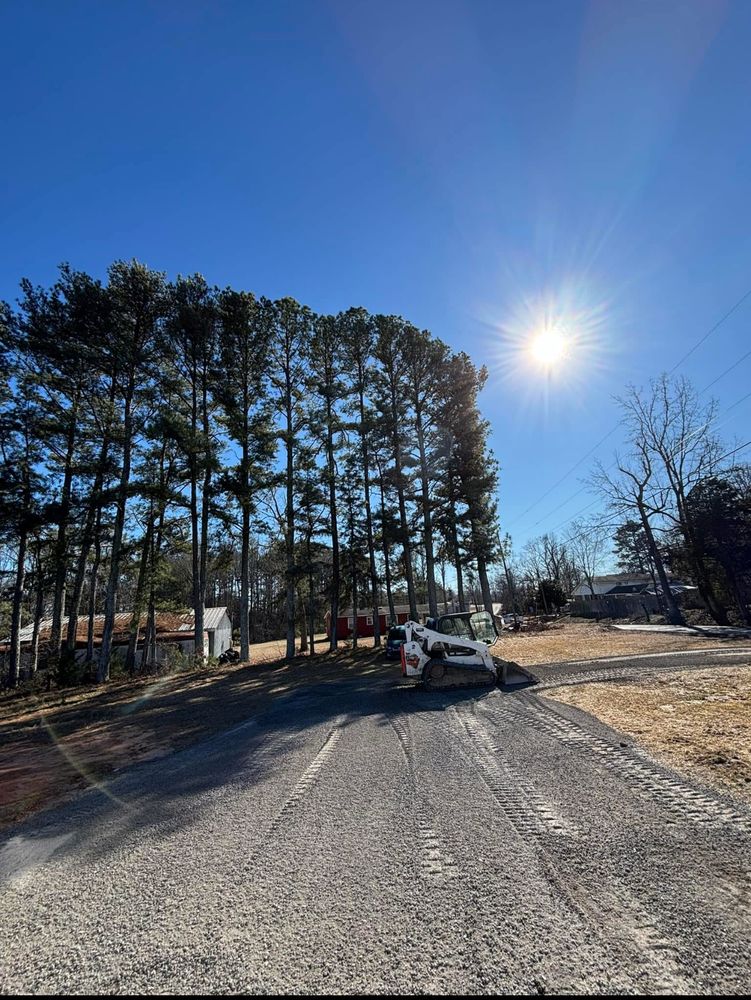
(163, 443)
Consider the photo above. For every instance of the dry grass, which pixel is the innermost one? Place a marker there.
(699, 722)
(579, 640)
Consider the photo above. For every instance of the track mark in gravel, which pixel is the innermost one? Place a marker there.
(734, 888)
(310, 775)
(400, 726)
(635, 769)
(525, 808)
(436, 862)
(590, 676)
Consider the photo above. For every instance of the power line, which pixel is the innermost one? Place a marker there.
(709, 332)
(583, 509)
(567, 474)
(734, 451)
(727, 370)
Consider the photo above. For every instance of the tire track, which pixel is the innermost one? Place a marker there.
(640, 773)
(436, 861)
(619, 915)
(528, 812)
(310, 775)
(608, 908)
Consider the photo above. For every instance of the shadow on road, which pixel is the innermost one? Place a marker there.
(155, 800)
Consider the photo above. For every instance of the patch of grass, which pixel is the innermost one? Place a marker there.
(697, 721)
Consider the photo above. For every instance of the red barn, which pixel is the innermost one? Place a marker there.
(346, 620)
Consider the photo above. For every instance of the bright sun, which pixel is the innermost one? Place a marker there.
(549, 347)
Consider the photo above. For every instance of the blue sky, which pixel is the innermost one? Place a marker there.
(473, 166)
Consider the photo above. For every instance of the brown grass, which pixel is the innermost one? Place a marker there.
(699, 722)
(579, 640)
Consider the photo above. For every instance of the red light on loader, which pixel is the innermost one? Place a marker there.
(403, 659)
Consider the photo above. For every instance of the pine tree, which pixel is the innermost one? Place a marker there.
(328, 387)
(138, 307)
(391, 402)
(289, 353)
(240, 388)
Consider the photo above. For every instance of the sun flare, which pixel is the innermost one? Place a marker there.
(549, 347)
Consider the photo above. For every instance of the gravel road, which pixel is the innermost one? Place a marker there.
(366, 837)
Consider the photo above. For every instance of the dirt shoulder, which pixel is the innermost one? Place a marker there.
(581, 640)
(56, 743)
(696, 721)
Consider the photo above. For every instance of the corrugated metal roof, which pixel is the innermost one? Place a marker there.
(212, 617)
(166, 621)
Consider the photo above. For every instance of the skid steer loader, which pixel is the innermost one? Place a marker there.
(453, 651)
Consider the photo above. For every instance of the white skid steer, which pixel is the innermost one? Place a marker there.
(453, 651)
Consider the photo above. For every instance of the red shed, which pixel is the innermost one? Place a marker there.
(346, 620)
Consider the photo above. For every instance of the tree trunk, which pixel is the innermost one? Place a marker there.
(353, 571)
(289, 534)
(38, 611)
(672, 611)
(482, 572)
(135, 621)
(406, 545)
(245, 586)
(92, 518)
(311, 600)
(303, 627)
(386, 558)
(110, 602)
(457, 557)
(14, 671)
(369, 524)
(335, 571)
(93, 586)
(61, 543)
(427, 517)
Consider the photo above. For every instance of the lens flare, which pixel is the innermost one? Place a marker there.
(549, 347)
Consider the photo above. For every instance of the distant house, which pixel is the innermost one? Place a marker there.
(622, 585)
(620, 595)
(173, 630)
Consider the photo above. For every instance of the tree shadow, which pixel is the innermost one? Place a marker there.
(157, 799)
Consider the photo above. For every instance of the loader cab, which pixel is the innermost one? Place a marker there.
(478, 626)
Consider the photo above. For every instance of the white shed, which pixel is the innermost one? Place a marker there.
(217, 626)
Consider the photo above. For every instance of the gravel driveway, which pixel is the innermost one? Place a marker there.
(369, 838)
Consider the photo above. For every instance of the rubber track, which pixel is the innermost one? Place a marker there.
(436, 861)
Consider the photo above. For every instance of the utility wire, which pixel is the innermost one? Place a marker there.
(709, 332)
(567, 474)
(727, 370)
(585, 487)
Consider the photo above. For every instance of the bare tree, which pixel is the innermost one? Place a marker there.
(633, 491)
(587, 543)
(670, 423)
